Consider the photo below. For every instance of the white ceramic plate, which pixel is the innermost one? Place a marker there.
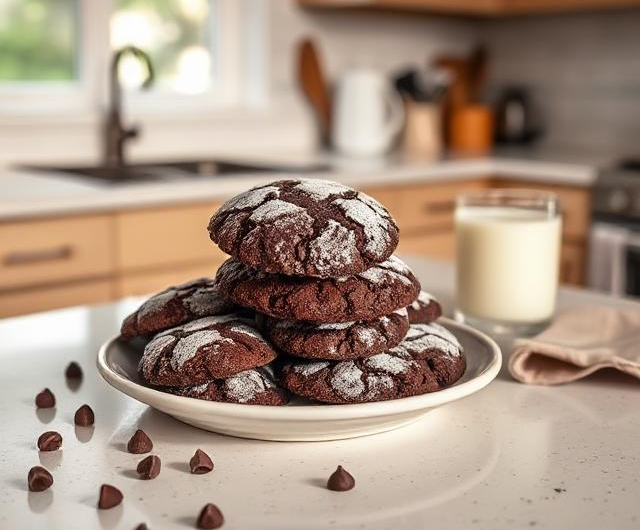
(301, 420)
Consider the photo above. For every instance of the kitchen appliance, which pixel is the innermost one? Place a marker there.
(368, 114)
(614, 261)
(516, 122)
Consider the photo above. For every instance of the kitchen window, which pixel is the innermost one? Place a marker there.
(55, 55)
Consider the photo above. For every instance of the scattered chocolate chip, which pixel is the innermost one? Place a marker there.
(210, 517)
(84, 416)
(49, 441)
(341, 480)
(149, 467)
(73, 371)
(139, 443)
(200, 463)
(39, 479)
(110, 497)
(141, 526)
(45, 399)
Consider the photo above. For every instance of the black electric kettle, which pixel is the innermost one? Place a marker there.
(516, 120)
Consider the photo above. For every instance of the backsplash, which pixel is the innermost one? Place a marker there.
(583, 71)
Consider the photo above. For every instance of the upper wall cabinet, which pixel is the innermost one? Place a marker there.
(475, 7)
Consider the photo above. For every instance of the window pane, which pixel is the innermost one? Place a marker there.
(37, 40)
(177, 35)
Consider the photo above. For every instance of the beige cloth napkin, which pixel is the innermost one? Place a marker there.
(580, 341)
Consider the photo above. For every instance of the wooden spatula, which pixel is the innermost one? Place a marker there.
(314, 85)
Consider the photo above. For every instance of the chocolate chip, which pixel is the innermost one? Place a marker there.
(341, 480)
(45, 399)
(200, 463)
(110, 496)
(39, 479)
(84, 416)
(141, 526)
(139, 443)
(210, 517)
(73, 371)
(149, 467)
(49, 441)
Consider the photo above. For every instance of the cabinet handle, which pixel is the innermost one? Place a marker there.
(439, 207)
(36, 256)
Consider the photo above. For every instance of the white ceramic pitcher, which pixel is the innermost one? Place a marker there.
(367, 115)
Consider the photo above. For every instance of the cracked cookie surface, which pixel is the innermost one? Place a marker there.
(424, 309)
(415, 366)
(337, 341)
(199, 351)
(175, 305)
(252, 387)
(376, 292)
(307, 227)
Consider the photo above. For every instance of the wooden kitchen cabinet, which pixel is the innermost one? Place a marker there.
(55, 250)
(473, 7)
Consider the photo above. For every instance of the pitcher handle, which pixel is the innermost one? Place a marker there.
(396, 117)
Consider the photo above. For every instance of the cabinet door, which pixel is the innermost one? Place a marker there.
(437, 245)
(166, 237)
(572, 263)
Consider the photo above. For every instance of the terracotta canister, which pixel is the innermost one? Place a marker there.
(472, 129)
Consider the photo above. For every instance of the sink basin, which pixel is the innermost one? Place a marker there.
(179, 170)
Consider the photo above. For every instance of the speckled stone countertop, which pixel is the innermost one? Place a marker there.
(26, 194)
(509, 457)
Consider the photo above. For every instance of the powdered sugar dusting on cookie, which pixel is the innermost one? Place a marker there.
(376, 228)
(423, 300)
(156, 303)
(154, 349)
(250, 198)
(205, 301)
(377, 383)
(275, 208)
(424, 337)
(334, 247)
(245, 386)
(390, 364)
(188, 346)
(321, 189)
(309, 368)
(336, 326)
(246, 329)
(346, 380)
(205, 322)
(368, 336)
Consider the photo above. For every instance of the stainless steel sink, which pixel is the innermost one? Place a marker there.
(172, 171)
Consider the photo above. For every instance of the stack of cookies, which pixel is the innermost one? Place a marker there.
(312, 302)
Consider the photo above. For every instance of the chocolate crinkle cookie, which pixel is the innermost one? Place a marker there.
(175, 305)
(305, 227)
(424, 309)
(376, 292)
(252, 387)
(337, 341)
(208, 348)
(439, 348)
(428, 359)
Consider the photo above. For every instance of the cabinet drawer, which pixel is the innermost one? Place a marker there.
(33, 299)
(418, 207)
(165, 236)
(41, 252)
(147, 282)
(574, 202)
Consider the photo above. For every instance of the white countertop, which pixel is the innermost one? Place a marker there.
(30, 194)
(491, 461)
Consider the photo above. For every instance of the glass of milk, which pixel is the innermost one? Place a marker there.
(508, 253)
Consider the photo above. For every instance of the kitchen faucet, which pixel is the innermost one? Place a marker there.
(115, 133)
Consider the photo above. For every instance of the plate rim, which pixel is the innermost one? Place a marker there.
(325, 412)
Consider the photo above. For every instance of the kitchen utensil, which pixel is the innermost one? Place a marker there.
(515, 120)
(472, 129)
(423, 86)
(302, 420)
(314, 85)
(422, 136)
(368, 114)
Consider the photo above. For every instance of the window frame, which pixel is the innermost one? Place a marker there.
(85, 98)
